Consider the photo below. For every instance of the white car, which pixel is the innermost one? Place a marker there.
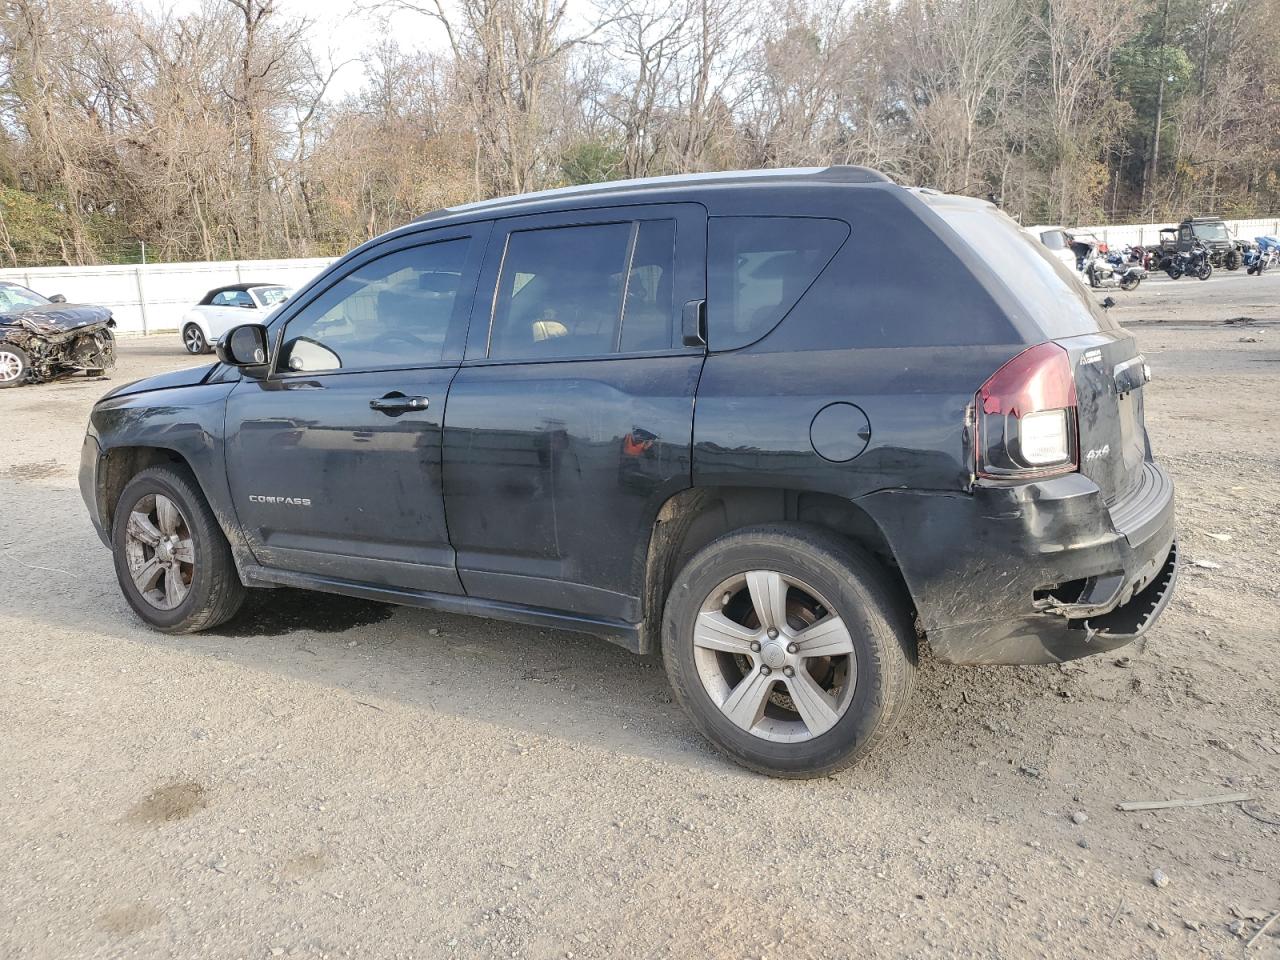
(1058, 241)
(225, 307)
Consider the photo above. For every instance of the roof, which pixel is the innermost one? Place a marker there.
(621, 188)
(241, 287)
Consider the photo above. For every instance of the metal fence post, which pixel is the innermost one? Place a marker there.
(142, 299)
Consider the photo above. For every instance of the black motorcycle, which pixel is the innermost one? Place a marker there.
(1193, 263)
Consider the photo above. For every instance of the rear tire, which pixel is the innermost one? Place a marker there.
(774, 698)
(1130, 283)
(15, 366)
(1233, 260)
(1205, 271)
(175, 570)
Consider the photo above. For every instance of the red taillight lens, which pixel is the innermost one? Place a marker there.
(1026, 417)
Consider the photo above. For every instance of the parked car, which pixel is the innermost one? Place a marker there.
(492, 411)
(42, 338)
(223, 308)
(1057, 241)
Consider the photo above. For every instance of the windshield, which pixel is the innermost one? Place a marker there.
(270, 296)
(15, 297)
(1211, 231)
(1051, 293)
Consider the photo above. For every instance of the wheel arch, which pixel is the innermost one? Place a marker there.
(692, 518)
(119, 465)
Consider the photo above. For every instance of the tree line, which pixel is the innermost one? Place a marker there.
(214, 134)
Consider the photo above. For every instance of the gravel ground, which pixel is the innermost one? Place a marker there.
(325, 777)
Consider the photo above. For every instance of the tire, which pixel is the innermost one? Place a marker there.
(1205, 271)
(1130, 283)
(15, 366)
(1233, 260)
(1174, 271)
(193, 339)
(206, 591)
(848, 587)
(1093, 280)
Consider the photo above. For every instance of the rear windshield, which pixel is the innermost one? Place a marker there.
(1049, 292)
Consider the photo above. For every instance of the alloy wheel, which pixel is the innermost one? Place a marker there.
(11, 367)
(193, 339)
(774, 656)
(160, 551)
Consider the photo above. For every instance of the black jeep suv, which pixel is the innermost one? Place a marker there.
(726, 416)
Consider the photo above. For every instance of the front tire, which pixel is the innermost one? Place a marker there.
(15, 366)
(791, 650)
(194, 340)
(172, 560)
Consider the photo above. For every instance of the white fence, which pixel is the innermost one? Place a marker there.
(1145, 234)
(153, 297)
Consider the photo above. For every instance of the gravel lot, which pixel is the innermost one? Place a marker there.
(325, 777)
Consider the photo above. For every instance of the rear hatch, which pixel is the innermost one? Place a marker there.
(1055, 305)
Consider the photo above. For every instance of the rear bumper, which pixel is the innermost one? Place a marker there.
(1039, 573)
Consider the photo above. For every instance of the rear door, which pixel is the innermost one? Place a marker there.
(334, 459)
(570, 422)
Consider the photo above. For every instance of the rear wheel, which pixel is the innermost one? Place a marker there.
(1130, 283)
(790, 649)
(1205, 270)
(1174, 270)
(193, 339)
(14, 366)
(172, 561)
(1233, 259)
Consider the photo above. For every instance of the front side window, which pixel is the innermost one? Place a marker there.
(758, 267)
(392, 311)
(587, 290)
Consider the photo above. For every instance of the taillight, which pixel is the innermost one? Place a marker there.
(1026, 417)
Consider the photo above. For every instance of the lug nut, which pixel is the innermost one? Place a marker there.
(755, 646)
(773, 633)
(765, 671)
(789, 671)
(792, 648)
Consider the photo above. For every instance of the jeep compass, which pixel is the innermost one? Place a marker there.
(727, 418)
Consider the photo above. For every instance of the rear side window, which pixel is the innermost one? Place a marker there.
(1049, 293)
(585, 291)
(758, 267)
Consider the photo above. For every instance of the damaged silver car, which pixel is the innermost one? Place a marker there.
(42, 338)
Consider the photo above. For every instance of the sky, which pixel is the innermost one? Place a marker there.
(347, 33)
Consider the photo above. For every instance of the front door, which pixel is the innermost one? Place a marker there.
(570, 422)
(334, 459)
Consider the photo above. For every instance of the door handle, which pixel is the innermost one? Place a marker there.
(396, 403)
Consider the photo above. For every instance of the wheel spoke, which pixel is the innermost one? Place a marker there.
(826, 638)
(715, 631)
(141, 528)
(812, 703)
(745, 703)
(174, 588)
(184, 551)
(167, 514)
(145, 576)
(769, 597)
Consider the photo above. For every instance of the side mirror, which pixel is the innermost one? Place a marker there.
(1108, 303)
(57, 298)
(245, 347)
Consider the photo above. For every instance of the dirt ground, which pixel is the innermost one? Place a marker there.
(325, 777)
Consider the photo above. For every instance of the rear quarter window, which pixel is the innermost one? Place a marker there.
(758, 267)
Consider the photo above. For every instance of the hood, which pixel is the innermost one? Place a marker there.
(55, 318)
(187, 377)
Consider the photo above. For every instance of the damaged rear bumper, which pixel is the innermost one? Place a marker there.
(1039, 573)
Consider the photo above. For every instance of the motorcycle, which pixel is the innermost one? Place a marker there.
(1194, 263)
(1103, 269)
(1263, 254)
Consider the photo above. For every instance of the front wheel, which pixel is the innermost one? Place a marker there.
(15, 365)
(193, 339)
(172, 560)
(791, 650)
